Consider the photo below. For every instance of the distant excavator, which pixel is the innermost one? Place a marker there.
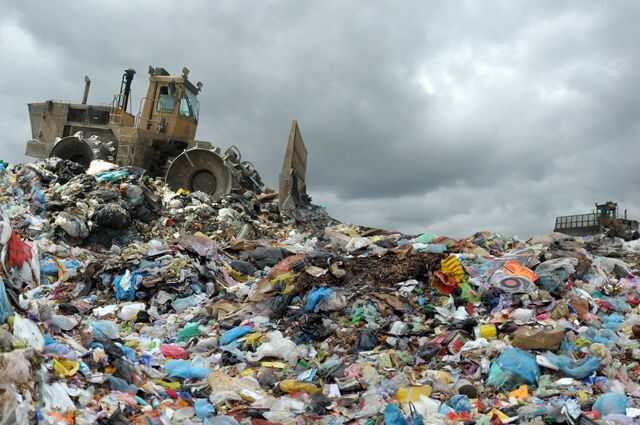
(160, 139)
(603, 220)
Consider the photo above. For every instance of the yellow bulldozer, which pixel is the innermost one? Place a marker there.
(160, 138)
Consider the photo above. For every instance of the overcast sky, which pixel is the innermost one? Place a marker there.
(449, 117)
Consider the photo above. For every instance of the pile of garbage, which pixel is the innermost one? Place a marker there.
(122, 302)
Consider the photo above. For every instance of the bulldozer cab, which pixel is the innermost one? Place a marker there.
(171, 106)
(607, 210)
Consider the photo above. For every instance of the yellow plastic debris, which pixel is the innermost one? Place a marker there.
(64, 368)
(169, 385)
(495, 412)
(522, 393)
(248, 372)
(274, 365)
(253, 340)
(290, 386)
(452, 267)
(412, 394)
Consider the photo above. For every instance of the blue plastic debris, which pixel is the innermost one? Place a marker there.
(393, 415)
(112, 176)
(513, 367)
(575, 369)
(232, 334)
(126, 285)
(611, 403)
(203, 408)
(184, 369)
(316, 297)
(5, 308)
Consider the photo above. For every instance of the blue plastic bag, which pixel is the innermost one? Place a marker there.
(317, 296)
(578, 370)
(232, 334)
(126, 285)
(611, 403)
(513, 367)
(393, 415)
(460, 403)
(203, 408)
(613, 322)
(104, 329)
(185, 370)
(112, 176)
(5, 308)
(601, 336)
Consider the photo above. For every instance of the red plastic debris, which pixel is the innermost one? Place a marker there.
(19, 251)
(172, 351)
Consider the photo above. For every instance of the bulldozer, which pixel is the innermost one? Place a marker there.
(603, 220)
(160, 138)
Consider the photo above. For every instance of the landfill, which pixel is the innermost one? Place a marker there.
(123, 302)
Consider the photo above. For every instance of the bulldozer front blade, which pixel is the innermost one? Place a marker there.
(201, 170)
(293, 177)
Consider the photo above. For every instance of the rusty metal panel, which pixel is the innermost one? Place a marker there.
(293, 184)
(36, 149)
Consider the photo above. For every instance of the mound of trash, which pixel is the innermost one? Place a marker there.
(122, 302)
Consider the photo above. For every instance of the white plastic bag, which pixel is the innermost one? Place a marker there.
(28, 331)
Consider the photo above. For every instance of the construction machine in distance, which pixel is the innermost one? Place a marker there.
(604, 220)
(159, 139)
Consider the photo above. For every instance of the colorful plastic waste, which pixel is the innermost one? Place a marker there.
(125, 302)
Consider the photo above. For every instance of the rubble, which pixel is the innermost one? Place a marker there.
(124, 302)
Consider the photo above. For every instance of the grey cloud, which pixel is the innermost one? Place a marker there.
(452, 117)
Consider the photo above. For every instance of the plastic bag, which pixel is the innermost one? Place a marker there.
(126, 285)
(5, 308)
(224, 387)
(513, 367)
(130, 311)
(172, 351)
(28, 331)
(15, 367)
(393, 415)
(575, 369)
(611, 403)
(613, 322)
(104, 329)
(276, 346)
(191, 330)
(72, 225)
(19, 252)
(317, 296)
(203, 408)
(185, 369)
(12, 412)
(112, 176)
(56, 397)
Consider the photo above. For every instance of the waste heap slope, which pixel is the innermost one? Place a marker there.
(124, 302)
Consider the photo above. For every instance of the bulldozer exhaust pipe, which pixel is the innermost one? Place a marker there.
(87, 86)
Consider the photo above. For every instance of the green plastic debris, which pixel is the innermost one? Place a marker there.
(191, 330)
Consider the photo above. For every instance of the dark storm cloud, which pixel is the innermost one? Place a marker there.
(442, 116)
